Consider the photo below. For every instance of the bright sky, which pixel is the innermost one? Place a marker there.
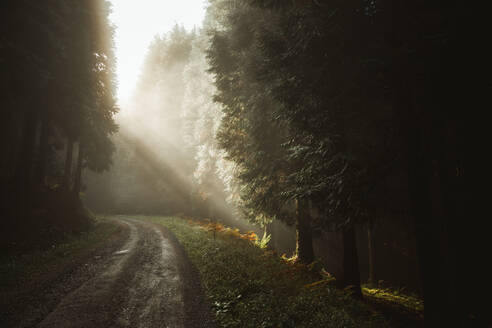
(137, 22)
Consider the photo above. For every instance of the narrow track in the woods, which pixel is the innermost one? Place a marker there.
(147, 281)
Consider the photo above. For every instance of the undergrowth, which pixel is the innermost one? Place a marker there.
(21, 269)
(402, 302)
(251, 287)
(54, 217)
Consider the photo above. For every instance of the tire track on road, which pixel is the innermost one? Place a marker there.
(155, 293)
(141, 287)
(92, 304)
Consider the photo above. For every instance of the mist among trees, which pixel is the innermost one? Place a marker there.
(330, 119)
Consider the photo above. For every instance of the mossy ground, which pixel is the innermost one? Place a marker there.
(19, 271)
(251, 287)
(401, 302)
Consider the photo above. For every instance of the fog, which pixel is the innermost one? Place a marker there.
(335, 130)
(167, 160)
(136, 25)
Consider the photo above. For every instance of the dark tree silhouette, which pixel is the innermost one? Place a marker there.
(361, 93)
(57, 83)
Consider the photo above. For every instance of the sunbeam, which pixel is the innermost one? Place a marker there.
(158, 156)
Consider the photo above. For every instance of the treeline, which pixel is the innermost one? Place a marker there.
(338, 113)
(167, 159)
(327, 116)
(57, 91)
(151, 170)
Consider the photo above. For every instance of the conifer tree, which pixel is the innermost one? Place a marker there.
(58, 88)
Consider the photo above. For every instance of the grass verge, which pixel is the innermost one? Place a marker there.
(403, 303)
(252, 287)
(21, 272)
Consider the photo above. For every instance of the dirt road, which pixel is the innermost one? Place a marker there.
(144, 281)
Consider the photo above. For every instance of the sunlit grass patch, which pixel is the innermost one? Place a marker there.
(395, 298)
(20, 271)
(251, 287)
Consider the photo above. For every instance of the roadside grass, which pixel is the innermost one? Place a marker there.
(252, 287)
(20, 272)
(394, 298)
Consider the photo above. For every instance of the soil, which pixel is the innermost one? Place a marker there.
(143, 278)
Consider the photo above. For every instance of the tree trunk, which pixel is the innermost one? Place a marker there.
(415, 125)
(78, 173)
(19, 206)
(428, 243)
(43, 153)
(370, 253)
(351, 273)
(67, 178)
(304, 238)
(466, 246)
(25, 163)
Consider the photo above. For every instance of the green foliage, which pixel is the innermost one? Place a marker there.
(58, 71)
(98, 102)
(250, 287)
(366, 100)
(396, 298)
(263, 241)
(57, 87)
(288, 100)
(250, 131)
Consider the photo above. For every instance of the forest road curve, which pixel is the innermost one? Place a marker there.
(144, 285)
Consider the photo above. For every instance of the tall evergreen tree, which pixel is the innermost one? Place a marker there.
(251, 132)
(57, 72)
(362, 89)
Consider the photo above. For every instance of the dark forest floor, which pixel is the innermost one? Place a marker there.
(34, 281)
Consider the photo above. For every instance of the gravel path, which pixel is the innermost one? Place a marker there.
(145, 280)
